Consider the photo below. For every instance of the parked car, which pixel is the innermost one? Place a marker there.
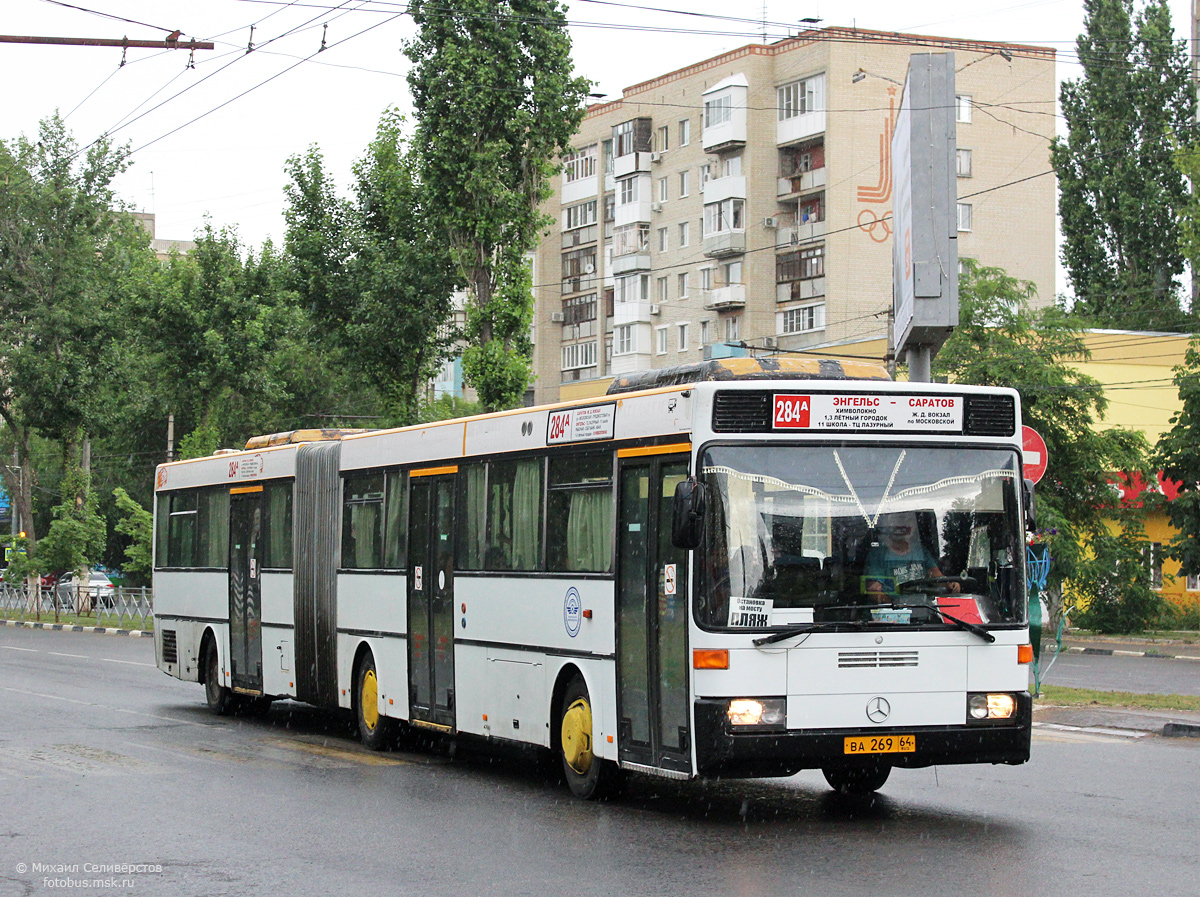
(97, 591)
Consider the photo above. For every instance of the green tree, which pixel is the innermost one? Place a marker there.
(1120, 193)
(1178, 456)
(379, 280)
(77, 536)
(61, 238)
(138, 527)
(1002, 341)
(496, 104)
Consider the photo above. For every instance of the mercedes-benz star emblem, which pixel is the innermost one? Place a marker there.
(878, 709)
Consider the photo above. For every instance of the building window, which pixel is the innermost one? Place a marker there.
(683, 285)
(683, 182)
(683, 337)
(962, 159)
(685, 132)
(683, 234)
(662, 239)
(733, 329)
(802, 320)
(579, 355)
(632, 136)
(731, 166)
(631, 238)
(1153, 556)
(660, 340)
(718, 110)
(965, 216)
(579, 216)
(705, 175)
(1193, 582)
(664, 192)
(663, 139)
(801, 97)
(662, 289)
(579, 309)
(705, 328)
(610, 206)
(732, 272)
(726, 215)
(800, 264)
(580, 164)
(706, 278)
(632, 288)
(577, 268)
(962, 108)
(606, 147)
(628, 189)
(623, 343)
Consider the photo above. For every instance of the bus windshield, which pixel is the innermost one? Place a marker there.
(876, 536)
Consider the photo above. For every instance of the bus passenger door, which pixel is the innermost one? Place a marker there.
(245, 602)
(431, 600)
(652, 617)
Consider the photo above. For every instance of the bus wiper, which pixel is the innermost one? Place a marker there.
(973, 628)
(826, 626)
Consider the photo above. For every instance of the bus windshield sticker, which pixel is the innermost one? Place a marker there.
(581, 424)
(750, 612)
(933, 414)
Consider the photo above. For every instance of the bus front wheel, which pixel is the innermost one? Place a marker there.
(371, 724)
(858, 779)
(220, 699)
(588, 776)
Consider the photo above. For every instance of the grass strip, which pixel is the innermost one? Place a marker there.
(108, 621)
(1089, 697)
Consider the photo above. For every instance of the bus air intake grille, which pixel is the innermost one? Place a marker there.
(990, 416)
(741, 411)
(871, 660)
(170, 651)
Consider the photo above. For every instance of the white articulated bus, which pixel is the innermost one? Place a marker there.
(736, 568)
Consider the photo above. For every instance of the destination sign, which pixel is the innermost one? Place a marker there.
(847, 411)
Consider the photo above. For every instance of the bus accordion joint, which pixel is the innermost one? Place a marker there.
(1024, 654)
(710, 659)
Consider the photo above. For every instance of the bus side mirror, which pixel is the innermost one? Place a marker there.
(1030, 507)
(687, 514)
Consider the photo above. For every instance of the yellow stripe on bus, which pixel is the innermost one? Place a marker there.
(434, 471)
(641, 451)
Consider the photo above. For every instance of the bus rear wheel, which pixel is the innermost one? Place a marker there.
(588, 776)
(220, 699)
(857, 779)
(372, 728)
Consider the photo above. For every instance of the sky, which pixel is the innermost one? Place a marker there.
(213, 140)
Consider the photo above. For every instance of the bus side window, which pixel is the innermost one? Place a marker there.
(362, 521)
(514, 518)
(278, 525)
(579, 506)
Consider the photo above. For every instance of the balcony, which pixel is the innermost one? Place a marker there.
(801, 233)
(798, 127)
(631, 163)
(723, 243)
(801, 183)
(726, 298)
(798, 290)
(731, 187)
(633, 261)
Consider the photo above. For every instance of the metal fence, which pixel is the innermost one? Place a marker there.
(126, 608)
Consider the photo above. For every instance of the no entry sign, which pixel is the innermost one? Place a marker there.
(1033, 446)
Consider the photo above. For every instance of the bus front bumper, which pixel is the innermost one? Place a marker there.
(721, 751)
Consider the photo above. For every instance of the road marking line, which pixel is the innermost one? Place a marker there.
(60, 654)
(1094, 730)
(132, 663)
(14, 648)
(170, 719)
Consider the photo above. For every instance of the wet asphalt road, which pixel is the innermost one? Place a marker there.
(104, 760)
(1141, 675)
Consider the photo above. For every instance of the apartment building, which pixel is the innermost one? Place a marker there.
(746, 200)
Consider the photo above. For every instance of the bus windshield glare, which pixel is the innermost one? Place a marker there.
(881, 537)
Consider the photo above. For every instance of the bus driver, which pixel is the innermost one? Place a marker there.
(901, 557)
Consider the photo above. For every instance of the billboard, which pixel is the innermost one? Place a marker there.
(925, 206)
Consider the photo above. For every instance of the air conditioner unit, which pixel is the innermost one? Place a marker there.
(769, 342)
(656, 207)
(770, 222)
(656, 309)
(656, 157)
(556, 317)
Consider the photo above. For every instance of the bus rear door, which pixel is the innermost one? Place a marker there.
(245, 598)
(431, 598)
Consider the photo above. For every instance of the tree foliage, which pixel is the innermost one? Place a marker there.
(77, 536)
(496, 104)
(1120, 193)
(1178, 456)
(1002, 341)
(138, 526)
(380, 282)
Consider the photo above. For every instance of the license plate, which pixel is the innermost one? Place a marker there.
(882, 744)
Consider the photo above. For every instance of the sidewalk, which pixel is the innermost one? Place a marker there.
(1128, 646)
(1170, 723)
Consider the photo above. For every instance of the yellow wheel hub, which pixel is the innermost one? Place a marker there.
(577, 736)
(369, 700)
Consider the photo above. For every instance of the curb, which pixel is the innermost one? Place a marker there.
(68, 627)
(1110, 652)
(1181, 730)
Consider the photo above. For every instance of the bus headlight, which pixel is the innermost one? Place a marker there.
(757, 711)
(991, 706)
